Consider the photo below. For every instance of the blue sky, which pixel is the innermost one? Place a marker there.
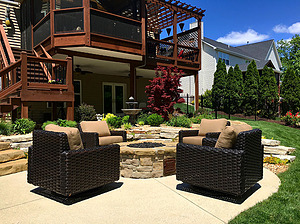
(236, 21)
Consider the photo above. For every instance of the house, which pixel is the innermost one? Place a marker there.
(97, 52)
(264, 53)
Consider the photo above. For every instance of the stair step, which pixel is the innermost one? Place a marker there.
(13, 167)
(11, 154)
(4, 146)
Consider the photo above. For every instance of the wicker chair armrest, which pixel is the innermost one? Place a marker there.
(120, 133)
(211, 142)
(89, 168)
(89, 139)
(187, 133)
(213, 135)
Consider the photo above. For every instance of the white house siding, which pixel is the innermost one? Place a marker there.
(233, 60)
(273, 58)
(13, 34)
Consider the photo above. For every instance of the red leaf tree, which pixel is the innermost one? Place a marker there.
(164, 92)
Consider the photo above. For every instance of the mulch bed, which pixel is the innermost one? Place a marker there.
(276, 168)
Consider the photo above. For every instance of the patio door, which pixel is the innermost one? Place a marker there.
(113, 97)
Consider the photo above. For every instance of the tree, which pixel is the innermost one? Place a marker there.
(231, 93)
(219, 85)
(268, 94)
(290, 91)
(289, 52)
(250, 89)
(164, 92)
(239, 87)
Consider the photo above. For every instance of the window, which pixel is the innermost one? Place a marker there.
(40, 8)
(224, 57)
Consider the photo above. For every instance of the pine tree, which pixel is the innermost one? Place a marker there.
(239, 88)
(290, 92)
(268, 94)
(251, 89)
(219, 85)
(231, 92)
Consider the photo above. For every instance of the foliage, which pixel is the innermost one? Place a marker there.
(207, 99)
(202, 111)
(85, 113)
(289, 52)
(125, 119)
(291, 119)
(61, 122)
(142, 118)
(275, 160)
(141, 123)
(5, 128)
(219, 85)
(290, 91)
(239, 89)
(250, 89)
(127, 126)
(268, 94)
(197, 119)
(164, 92)
(114, 121)
(155, 120)
(179, 121)
(231, 96)
(183, 108)
(23, 126)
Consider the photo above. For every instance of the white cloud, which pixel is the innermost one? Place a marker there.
(293, 29)
(236, 38)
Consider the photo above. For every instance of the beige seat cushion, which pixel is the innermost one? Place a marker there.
(100, 127)
(228, 136)
(73, 134)
(209, 125)
(106, 140)
(195, 140)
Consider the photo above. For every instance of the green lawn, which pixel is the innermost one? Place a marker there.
(283, 206)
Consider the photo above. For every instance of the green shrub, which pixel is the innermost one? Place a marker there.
(5, 128)
(180, 121)
(197, 119)
(127, 126)
(23, 126)
(207, 99)
(142, 118)
(48, 122)
(85, 113)
(141, 123)
(155, 120)
(125, 119)
(107, 116)
(114, 122)
(66, 123)
(202, 111)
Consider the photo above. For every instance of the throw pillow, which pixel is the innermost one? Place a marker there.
(227, 138)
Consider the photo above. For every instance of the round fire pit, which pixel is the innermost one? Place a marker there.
(147, 159)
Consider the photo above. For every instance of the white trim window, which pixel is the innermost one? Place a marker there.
(224, 57)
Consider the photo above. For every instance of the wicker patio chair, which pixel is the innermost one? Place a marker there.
(210, 138)
(231, 171)
(53, 166)
(93, 134)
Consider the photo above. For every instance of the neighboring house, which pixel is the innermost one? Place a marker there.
(97, 52)
(264, 53)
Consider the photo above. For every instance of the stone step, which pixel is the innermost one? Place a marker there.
(278, 150)
(17, 138)
(4, 145)
(21, 144)
(10, 154)
(270, 142)
(13, 167)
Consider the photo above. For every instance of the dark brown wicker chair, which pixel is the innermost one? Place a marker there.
(229, 171)
(210, 138)
(52, 166)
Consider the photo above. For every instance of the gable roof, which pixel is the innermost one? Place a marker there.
(258, 50)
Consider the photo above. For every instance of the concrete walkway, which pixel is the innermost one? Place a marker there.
(131, 201)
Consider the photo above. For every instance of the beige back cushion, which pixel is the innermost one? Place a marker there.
(209, 125)
(100, 127)
(73, 134)
(228, 136)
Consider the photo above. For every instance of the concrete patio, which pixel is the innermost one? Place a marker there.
(157, 200)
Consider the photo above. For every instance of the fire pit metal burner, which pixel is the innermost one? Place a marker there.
(146, 145)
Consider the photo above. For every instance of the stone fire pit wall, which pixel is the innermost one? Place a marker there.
(145, 162)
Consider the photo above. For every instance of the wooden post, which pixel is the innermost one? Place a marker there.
(133, 81)
(175, 38)
(24, 109)
(196, 78)
(24, 70)
(144, 28)
(87, 22)
(70, 111)
(199, 43)
(69, 75)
